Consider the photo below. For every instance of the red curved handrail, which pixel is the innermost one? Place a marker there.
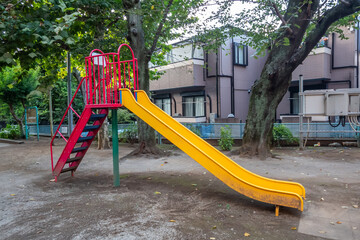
(126, 45)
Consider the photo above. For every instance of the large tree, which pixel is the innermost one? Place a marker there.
(150, 25)
(286, 31)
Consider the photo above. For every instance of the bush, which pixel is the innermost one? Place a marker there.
(226, 142)
(10, 132)
(194, 128)
(129, 134)
(282, 133)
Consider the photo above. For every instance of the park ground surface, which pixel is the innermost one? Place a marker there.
(173, 197)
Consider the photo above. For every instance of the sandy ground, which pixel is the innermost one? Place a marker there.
(173, 197)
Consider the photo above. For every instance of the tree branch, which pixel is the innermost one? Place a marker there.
(277, 12)
(329, 17)
(160, 27)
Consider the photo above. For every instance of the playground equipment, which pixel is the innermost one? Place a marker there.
(111, 83)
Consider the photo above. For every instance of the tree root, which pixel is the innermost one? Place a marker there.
(150, 151)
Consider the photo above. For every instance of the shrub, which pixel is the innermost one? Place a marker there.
(282, 133)
(10, 132)
(129, 134)
(226, 141)
(194, 128)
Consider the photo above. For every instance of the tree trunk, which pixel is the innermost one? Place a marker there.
(17, 119)
(147, 141)
(146, 134)
(103, 137)
(266, 94)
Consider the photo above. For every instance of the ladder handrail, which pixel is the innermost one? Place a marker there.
(62, 120)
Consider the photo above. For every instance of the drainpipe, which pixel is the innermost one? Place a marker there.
(210, 102)
(217, 82)
(357, 54)
(174, 104)
(232, 79)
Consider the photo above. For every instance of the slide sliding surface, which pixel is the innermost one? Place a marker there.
(280, 193)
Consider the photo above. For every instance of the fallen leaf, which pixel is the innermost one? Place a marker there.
(194, 184)
(162, 165)
(355, 206)
(293, 228)
(149, 178)
(52, 180)
(322, 199)
(12, 194)
(322, 232)
(59, 204)
(338, 222)
(157, 193)
(214, 227)
(344, 207)
(332, 223)
(246, 234)
(165, 162)
(212, 238)
(354, 228)
(172, 221)
(32, 199)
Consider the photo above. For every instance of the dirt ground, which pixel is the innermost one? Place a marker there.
(173, 197)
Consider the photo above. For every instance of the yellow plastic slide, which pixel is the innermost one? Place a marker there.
(279, 193)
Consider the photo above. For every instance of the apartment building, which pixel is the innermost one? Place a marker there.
(199, 86)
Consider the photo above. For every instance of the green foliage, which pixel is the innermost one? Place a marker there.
(123, 116)
(16, 83)
(226, 141)
(282, 133)
(10, 132)
(129, 134)
(45, 29)
(194, 128)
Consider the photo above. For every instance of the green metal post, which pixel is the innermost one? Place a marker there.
(115, 142)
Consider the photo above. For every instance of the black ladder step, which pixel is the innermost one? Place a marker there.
(84, 139)
(96, 116)
(68, 169)
(70, 160)
(90, 128)
(79, 149)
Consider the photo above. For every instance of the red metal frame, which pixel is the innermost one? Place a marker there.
(105, 76)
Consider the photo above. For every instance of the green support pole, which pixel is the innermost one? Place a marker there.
(115, 142)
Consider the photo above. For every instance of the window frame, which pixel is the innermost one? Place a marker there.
(236, 51)
(162, 103)
(193, 96)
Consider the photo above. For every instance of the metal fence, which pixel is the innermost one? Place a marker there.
(212, 130)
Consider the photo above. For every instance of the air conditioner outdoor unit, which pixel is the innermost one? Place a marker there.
(314, 102)
(343, 102)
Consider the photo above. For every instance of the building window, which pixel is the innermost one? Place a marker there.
(194, 106)
(164, 104)
(240, 54)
